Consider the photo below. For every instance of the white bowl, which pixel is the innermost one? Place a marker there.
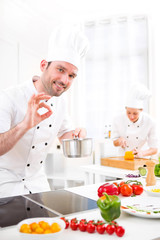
(48, 236)
(149, 192)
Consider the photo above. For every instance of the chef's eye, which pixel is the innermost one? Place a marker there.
(72, 76)
(60, 69)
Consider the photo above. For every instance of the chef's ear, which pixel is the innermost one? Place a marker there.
(43, 65)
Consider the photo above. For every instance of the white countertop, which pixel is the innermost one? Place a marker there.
(135, 227)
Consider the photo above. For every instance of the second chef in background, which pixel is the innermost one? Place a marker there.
(134, 130)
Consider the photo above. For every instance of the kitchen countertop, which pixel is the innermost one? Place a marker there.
(135, 227)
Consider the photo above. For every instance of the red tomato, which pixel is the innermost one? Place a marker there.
(66, 222)
(137, 189)
(74, 225)
(126, 190)
(90, 228)
(100, 228)
(120, 231)
(110, 229)
(121, 183)
(82, 226)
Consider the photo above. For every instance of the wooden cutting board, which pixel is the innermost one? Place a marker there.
(120, 162)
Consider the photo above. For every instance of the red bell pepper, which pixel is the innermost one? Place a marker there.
(109, 188)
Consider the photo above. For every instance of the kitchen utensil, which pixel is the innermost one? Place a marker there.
(77, 147)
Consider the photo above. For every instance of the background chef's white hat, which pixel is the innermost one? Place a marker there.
(137, 95)
(67, 43)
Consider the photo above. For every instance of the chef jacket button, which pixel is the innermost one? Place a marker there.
(30, 192)
(33, 146)
(136, 147)
(28, 209)
(37, 127)
(128, 125)
(127, 137)
(28, 165)
(41, 161)
(136, 137)
(52, 104)
(50, 125)
(137, 126)
(46, 144)
(23, 179)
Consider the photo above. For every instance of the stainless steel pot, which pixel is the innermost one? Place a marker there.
(77, 147)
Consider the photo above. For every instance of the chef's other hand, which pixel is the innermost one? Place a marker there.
(80, 133)
(122, 142)
(32, 117)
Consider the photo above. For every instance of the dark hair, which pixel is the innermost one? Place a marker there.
(48, 64)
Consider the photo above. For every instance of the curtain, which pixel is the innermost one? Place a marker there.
(117, 57)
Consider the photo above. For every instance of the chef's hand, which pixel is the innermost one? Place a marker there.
(32, 117)
(80, 133)
(137, 153)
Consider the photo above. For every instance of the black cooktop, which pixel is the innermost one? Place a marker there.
(15, 209)
(63, 202)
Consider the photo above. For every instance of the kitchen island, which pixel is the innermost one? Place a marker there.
(79, 202)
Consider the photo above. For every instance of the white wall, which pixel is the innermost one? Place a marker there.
(25, 27)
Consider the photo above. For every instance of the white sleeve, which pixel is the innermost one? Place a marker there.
(152, 136)
(115, 132)
(6, 112)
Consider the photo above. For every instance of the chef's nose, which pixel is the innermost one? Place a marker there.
(65, 79)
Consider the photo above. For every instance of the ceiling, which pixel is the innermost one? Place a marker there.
(31, 21)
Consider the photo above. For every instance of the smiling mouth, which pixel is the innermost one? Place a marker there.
(59, 86)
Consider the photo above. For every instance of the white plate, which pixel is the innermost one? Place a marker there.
(149, 192)
(141, 206)
(48, 236)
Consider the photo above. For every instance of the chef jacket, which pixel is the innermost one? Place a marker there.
(21, 170)
(138, 135)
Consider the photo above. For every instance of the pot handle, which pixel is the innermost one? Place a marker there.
(75, 137)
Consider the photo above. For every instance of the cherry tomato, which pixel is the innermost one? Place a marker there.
(82, 226)
(90, 228)
(73, 220)
(100, 228)
(114, 223)
(74, 225)
(137, 189)
(120, 231)
(126, 190)
(110, 229)
(66, 222)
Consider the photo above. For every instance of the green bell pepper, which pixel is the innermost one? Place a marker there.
(109, 206)
(157, 169)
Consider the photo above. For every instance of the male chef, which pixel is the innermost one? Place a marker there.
(34, 113)
(134, 130)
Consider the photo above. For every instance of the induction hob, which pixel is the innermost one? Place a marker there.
(15, 209)
(63, 202)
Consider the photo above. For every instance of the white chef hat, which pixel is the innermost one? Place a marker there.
(67, 43)
(137, 95)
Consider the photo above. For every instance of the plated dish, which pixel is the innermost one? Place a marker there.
(146, 207)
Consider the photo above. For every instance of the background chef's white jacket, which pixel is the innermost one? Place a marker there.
(21, 170)
(137, 135)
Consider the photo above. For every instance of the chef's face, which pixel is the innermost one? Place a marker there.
(133, 113)
(57, 77)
